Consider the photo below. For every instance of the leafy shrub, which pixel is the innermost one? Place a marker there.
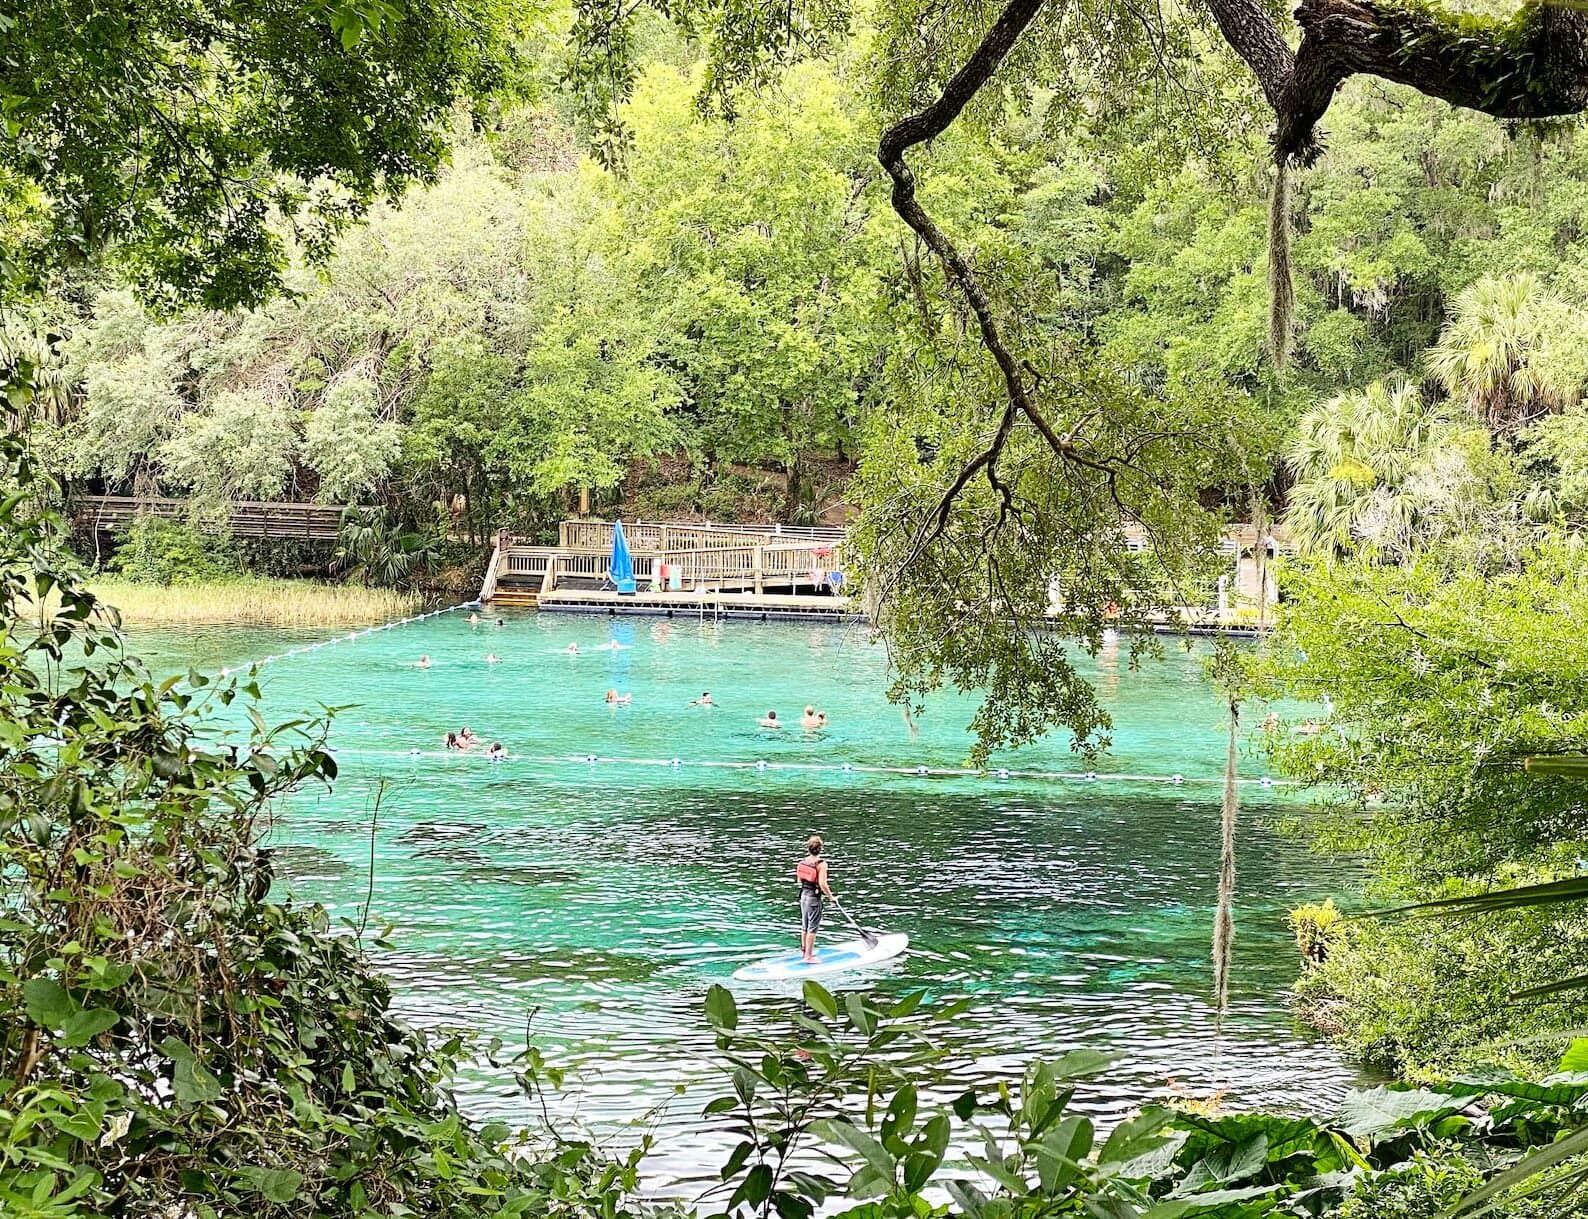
(667, 501)
(282, 557)
(733, 497)
(1319, 929)
(839, 1107)
(156, 550)
(1424, 996)
(373, 547)
(172, 1041)
(1428, 1186)
(1424, 1189)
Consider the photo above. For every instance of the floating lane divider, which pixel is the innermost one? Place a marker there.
(306, 648)
(760, 765)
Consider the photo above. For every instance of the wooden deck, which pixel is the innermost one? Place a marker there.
(753, 567)
(764, 607)
(770, 572)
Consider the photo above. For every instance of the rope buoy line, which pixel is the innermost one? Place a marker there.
(936, 772)
(304, 649)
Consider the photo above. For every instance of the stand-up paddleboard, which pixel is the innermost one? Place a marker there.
(852, 954)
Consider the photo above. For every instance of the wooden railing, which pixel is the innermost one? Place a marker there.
(664, 537)
(525, 562)
(492, 571)
(246, 518)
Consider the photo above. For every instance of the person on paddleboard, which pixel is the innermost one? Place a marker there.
(812, 875)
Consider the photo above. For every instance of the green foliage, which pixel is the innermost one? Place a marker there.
(832, 1111)
(770, 286)
(1559, 444)
(374, 549)
(179, 136)
(1441, 677)
(156, 550)
(1512, 351)
(1367, 467)
(1320, 929)
(353, 447)
(1424, 997)
(169, 1035)
(1425, 1188)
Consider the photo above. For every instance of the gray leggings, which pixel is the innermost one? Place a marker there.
(810, 909)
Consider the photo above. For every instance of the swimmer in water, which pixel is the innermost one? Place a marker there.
(572, 649)
(451, 741)
(769, 720)
(466, 738)
(496, 752)
(474, 620)
(821, 719)
(422, 663)
(491, 658)
(809, 720)
(703, 701)
(615, 698)
(499, 622)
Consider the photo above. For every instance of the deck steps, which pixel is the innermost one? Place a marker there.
(527, 598)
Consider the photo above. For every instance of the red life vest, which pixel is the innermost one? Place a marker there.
(808, 873)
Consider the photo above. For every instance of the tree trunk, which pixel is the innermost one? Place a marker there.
(791, 494)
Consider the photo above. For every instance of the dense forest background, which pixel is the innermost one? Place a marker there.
(715, 327)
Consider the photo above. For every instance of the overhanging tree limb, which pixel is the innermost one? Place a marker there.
(1531, 65)
(925, 125)
(929, 124)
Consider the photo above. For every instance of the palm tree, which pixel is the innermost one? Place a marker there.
(1493, 355)
(1354, 460)
(374, 549)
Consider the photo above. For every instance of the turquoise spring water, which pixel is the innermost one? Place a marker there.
(606, 896)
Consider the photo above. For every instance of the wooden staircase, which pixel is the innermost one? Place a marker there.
(515, 598)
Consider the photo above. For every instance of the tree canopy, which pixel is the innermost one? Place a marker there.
(188, 138)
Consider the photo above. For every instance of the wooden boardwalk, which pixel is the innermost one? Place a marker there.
(771, 571)
(247, 518)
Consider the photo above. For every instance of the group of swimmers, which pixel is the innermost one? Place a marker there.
(811, 721)
(464, 739)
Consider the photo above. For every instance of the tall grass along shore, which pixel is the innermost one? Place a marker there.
(254, 602)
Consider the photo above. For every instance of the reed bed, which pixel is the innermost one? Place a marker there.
(254, 602)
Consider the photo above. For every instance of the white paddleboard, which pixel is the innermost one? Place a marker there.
(831, 959)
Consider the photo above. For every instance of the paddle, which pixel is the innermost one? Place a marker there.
(871, 940)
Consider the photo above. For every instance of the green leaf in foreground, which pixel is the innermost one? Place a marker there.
(274, 1184)
(721, 1011)
(48, 1004)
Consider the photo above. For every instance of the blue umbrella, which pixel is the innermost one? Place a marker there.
(622, 569)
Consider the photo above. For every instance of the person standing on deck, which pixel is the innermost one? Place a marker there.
(812, 875)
